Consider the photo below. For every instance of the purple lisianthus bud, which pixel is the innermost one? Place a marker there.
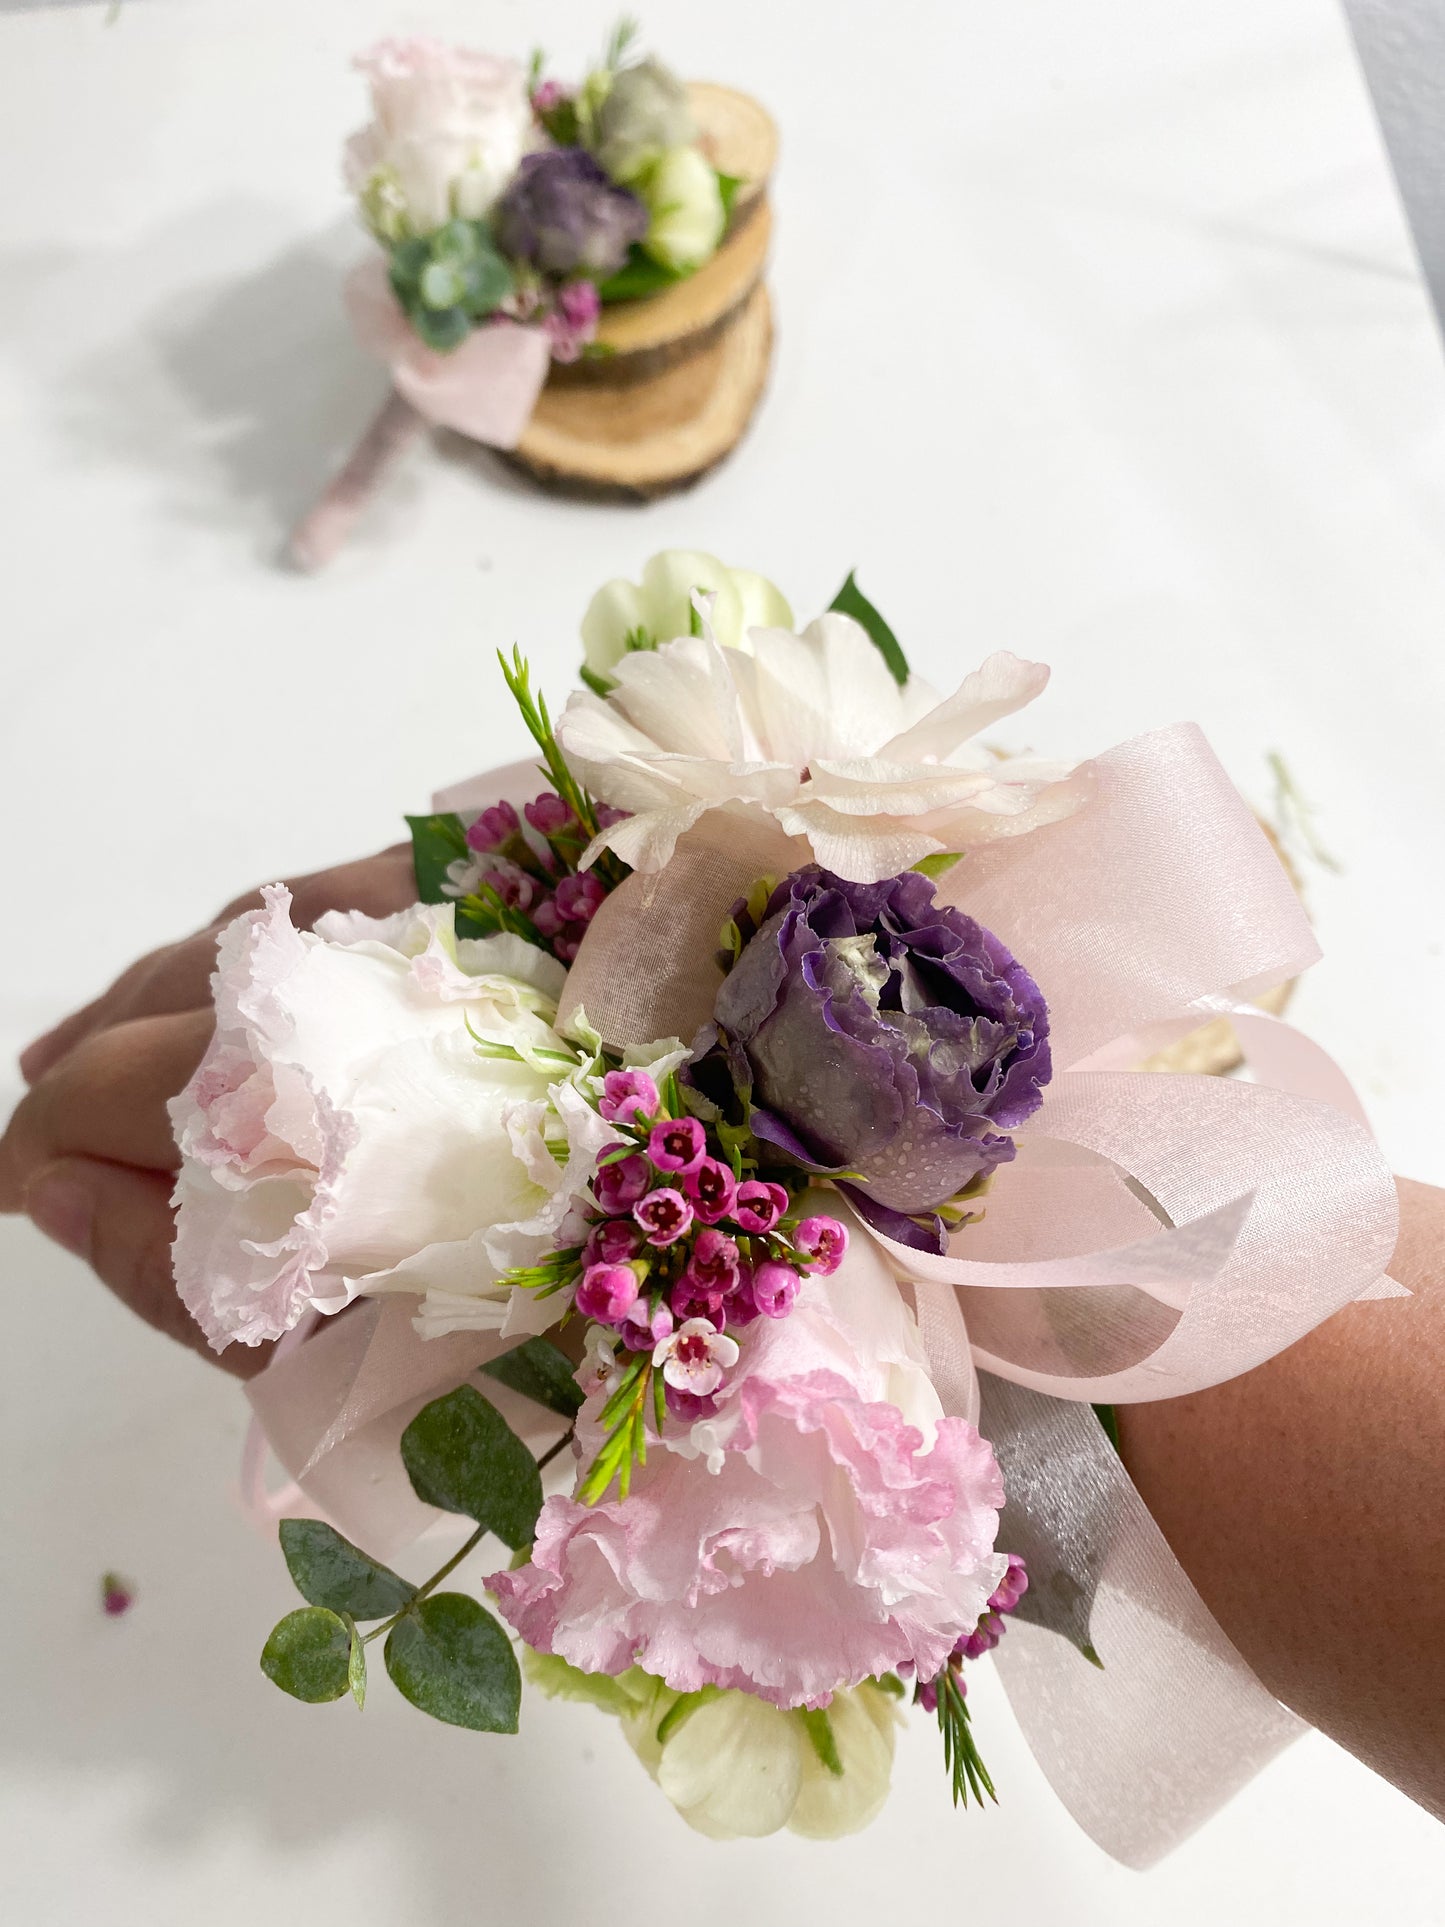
(712, 1188)
(607, 1293)
(493, 827)
(884, 1033)
(627, 1095)
(619, 1186)
(565, 215)
(677, 1144)
(759, 1206)
(821, 1243)
(616, 1241)
(664, 1214)
(580, 897)
(548, 813)
(775, 1286)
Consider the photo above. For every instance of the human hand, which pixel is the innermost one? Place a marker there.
(89, 1155)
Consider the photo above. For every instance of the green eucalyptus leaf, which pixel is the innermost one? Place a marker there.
(460, 1454)
(330, 1571)
(449, 1657)
(436, 841)
(308, 1655)
(820, 1732)
(542, 1373)
(851, 601)
(356, 1664)
(442, 329)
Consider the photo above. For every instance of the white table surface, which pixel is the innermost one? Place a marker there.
(1100, 339)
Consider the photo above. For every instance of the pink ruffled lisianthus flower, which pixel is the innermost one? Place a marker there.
(825, 1524)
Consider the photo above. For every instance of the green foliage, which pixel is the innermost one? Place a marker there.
(961, 1757)
(820, 1732)
(682, 1708)
(309, 1655)
(542, 1373)
(939, 864)
(1109, 1419)
(450, 1658)
(727, 187)
(460, 1454)
(329, 1571)
(851, 601)
(356, 1665)
(449, 280)
(638, 277)
(436, 842)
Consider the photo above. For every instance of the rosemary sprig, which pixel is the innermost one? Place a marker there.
(518, 677)
(960, 1753)
(626, 1444)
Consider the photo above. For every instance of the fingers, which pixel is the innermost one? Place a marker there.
(106, 1098)
(121, 1223)
(178, 976)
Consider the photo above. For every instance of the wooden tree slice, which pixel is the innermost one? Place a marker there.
(639, 440)
(738, 135)
(644, 337)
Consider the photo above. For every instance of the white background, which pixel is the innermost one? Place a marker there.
(1100, 339)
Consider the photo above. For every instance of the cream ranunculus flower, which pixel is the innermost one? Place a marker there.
(626, 616)
(449, 129)
(686, 203)
(736, 1767)
(811, 731)
(343, 1134)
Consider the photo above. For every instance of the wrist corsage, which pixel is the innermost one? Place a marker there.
(733, 1188)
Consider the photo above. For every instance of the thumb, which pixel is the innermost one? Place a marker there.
(119, 1220)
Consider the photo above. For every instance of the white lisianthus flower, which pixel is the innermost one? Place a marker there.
(627, 616)
(686, 204)
(811, 731)
(343, 1133)
(449, 129)
(736, 1767)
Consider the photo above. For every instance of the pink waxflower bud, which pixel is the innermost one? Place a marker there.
(493, 827)
(511, 883)
(677, 1144)
(1012, 1587)
(984, 1637)
(627, 1095)
(548, 814)
(579, 898)
(712, 1188)
(608, 817)
(607, 1293)
(688, 1407)
(565, 948)
(821, 1243)
(759, 1206)
(117, 1596)
(775, 1286)
(713, 1267)
(548, 918)
(616, 1241)
(926, 1696)
(664, 1214)
(548, 96)
(618, 1186)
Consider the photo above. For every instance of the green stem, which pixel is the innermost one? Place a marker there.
(430, 1585)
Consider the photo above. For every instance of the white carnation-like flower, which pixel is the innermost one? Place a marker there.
(450, 127)
(342, 1134)
(812, 731)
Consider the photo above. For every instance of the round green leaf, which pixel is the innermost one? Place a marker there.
(461, 1455)
(449, 1657)
(330, 1571)
(309, 1655)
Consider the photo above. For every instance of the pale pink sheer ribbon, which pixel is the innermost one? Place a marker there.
(486, 389)
(1156, 1235)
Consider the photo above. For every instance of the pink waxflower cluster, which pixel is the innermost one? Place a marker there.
(534, 876)
(683, 1247)
(985, 1635)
